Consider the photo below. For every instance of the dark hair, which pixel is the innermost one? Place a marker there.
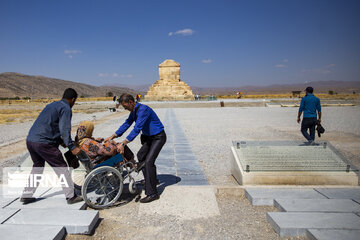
(69, 94)
(309, 90)
(126, 98)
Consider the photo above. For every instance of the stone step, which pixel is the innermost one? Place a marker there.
(266, 196)
(75, 221)
(342, 193)
(326, 234)
(11, 232)
(317, 205)
(296, 223)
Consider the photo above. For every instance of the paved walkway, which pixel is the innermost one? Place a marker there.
(176, 163)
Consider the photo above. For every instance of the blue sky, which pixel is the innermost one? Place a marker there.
(218, 43)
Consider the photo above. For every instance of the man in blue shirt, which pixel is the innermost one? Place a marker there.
(153, 138)
(50, 129)
(309, 105)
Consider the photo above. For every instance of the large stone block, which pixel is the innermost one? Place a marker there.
(316, 205)
(331, 234)
(75, 221)
(296, 223)
(28, 232)
(266, 196)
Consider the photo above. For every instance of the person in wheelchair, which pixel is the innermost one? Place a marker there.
(100, 154)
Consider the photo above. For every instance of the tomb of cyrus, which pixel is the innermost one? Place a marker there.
(169, 86)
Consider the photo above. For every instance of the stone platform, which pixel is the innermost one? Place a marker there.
(295, 163)
(318, 213)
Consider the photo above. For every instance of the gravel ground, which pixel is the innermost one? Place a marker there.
(211, 131)
(237, 220)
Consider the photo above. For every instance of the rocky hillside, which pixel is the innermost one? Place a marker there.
(20, 85)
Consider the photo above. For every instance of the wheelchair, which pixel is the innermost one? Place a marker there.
(101, 184)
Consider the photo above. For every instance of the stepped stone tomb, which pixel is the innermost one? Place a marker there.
(169, 86)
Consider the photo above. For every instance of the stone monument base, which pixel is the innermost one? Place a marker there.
(290, 163)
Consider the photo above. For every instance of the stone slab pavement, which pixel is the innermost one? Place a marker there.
(75, 221)
(317, 205)
(332, 234)
(296, 223)
(6, 214)
(28, 232)
(341, 193)
(266, 196)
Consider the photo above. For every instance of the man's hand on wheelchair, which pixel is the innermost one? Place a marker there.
(120, 148)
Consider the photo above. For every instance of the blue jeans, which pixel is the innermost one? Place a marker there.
(308, 123)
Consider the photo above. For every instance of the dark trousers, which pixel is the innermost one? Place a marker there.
(150, 149)
(41, 153)
(308, 124)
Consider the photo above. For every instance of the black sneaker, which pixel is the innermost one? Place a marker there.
(74, 199)
(26, 200)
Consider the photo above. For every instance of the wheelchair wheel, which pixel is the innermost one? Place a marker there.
(79, 178)
(132, 186)
(102, 187)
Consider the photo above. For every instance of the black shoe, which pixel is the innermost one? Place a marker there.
(149, 198)
(74, 199)
(25, 200)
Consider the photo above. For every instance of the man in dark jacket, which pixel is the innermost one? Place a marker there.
(310, 105)
(50, 129)
(153, 138)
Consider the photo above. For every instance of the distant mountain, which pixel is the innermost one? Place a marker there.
(20, 85)
(142, 89)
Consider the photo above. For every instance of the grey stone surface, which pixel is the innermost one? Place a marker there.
(316, 205)
(11, 232)
(266, 196)
(330, 234)
(75, 221)
(48, 203)
(296, 223)
(344, 193)
(4, 201)
(7, 213)
(193, 180)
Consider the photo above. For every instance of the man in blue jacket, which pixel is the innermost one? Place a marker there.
(50, 129)
(153, 138)
(310, 105)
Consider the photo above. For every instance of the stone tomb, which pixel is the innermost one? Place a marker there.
(169, 86)
(296, 163)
